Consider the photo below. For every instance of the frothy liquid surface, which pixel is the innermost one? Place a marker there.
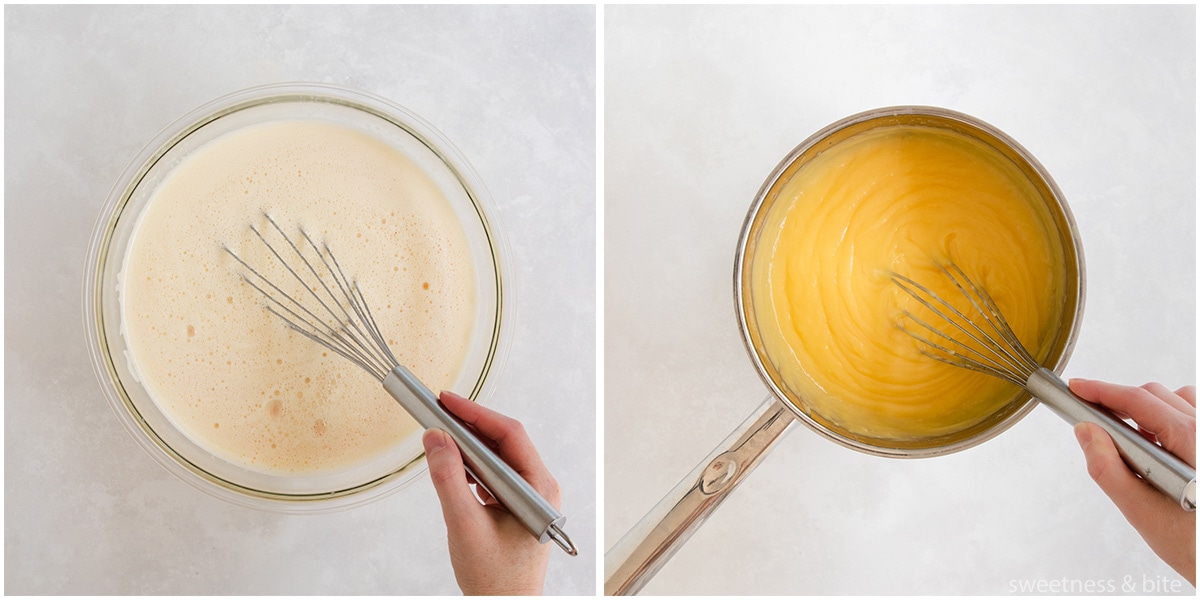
(899, 199)
(231, 375)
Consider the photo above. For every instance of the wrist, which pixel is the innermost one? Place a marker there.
(502, 589)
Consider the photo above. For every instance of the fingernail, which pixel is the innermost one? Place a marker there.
(434, 441)
(1083, 434)
(1075, 382)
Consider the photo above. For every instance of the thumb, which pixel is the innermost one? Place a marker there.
(459, 506)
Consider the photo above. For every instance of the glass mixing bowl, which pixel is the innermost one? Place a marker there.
(137, 411)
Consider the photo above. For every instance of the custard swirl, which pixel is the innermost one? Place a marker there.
(900, 199)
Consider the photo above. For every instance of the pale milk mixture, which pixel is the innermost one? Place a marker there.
(231, 375)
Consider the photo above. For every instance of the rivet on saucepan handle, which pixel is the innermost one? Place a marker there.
(638, 556)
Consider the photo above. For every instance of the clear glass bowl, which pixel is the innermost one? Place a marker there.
(139, 413)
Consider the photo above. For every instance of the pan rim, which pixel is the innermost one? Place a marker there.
(1076, 290)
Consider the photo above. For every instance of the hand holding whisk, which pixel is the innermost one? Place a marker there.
(332, 312)
(984, 342)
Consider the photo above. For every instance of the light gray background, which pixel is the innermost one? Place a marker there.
(700, 105)
(86, 511)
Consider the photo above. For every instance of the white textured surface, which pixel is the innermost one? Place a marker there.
(86, 511)
(700, 105)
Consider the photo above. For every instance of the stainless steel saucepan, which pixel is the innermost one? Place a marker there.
(635, 558)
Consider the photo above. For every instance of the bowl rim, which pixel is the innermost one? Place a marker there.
(116, 202)
(741, 305)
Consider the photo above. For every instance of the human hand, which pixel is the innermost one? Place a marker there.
(1163, 416)
(491, 552)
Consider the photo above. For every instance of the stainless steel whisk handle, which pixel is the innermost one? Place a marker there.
(1152, 462)
(501, 481)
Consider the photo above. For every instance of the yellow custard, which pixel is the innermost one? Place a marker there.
(900, 198)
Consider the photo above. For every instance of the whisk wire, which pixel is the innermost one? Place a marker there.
(353, 331)
(996, 349)
(354, 335)
(369, 320)
(358, 303)
(343, 351)
(272, 298)
(981, 363)
(319, 331)
(1010, 355)
(999, 357)
(339, 281)
(339, 337)
(1003, 329)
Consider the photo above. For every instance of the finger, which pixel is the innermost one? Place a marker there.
(514, 445)
(1161, 392)
(1120, 415)
(1084, 388)
(459, 506)
(491, 445)
(1145, 508)
(1176, 431)
(1148, 435)
(506, 432)
(1188, 393)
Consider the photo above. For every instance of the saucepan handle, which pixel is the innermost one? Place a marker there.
(636, 558)
(1152, 462)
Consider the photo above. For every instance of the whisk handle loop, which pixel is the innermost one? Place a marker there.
(1152, 462)
(489, 470)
